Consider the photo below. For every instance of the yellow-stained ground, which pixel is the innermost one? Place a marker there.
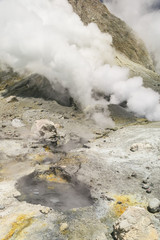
(21, 222)
(73, 159)
(122, 202)
(52, 178)
(39, 157)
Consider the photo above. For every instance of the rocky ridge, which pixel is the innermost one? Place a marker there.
(124, 39)
(130, 51)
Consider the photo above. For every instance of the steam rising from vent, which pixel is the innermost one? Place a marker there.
(144, 17)
(47, 37)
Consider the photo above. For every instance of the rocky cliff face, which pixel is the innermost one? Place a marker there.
(130, 49)
(124, 39)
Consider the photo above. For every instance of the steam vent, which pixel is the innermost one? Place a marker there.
(79, 120)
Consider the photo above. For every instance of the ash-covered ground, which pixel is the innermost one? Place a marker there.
(78, 182)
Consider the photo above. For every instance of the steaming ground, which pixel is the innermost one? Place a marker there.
(48, 38)
(144, 17)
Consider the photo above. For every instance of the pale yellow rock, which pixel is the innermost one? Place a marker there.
(11, 99)
(45, 210)
(140, 146)
(63, 227)
(135, 224)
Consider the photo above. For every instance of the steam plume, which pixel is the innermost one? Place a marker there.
(47, 37)
(144, 17)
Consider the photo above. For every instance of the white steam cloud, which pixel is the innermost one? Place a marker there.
(47, 37)
(144, 17)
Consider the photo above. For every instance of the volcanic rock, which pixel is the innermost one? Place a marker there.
(63, 227)
(124, 39)
(38, 86)
(154, 205)
(44, 130)
(135, 224)
(130, 49)
(140, 146)
(11, 99)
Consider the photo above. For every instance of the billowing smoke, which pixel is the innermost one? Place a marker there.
(47, 37)
(144, 17)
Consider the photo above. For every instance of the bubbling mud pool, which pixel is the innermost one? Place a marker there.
(57, 192)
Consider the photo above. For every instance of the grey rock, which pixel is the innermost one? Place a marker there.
(134, 175)
(120, 114)
(134, 148)
(149, 190)
(154, 205)
(44, 130)
(2, 207)
(145, 186)
(140, 146)
(145, 180)
(38, 86)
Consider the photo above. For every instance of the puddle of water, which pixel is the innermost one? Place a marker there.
(59, 195)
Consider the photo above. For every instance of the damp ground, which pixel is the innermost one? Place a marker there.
(53, 191)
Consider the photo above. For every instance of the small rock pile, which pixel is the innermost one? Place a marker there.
(45, 130)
